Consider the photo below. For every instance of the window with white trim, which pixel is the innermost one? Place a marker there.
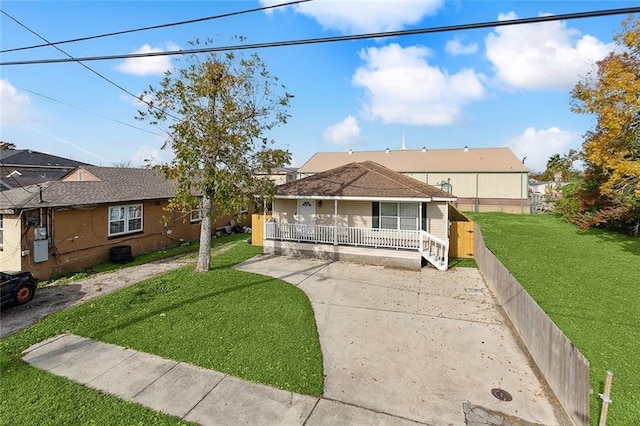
(125, 219)
(402, 216)
(197, 214)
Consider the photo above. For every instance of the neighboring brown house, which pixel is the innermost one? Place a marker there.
(71, 224)
(24, 167)
(483, 179)
(281, 175)
(361, 212)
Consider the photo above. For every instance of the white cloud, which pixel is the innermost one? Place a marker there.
(455, 47)
(155, 156)
(365, 15)
(153, 65)
(401, 87)
(539, 145)
(15, 105)
(543, 55)
(346, 132)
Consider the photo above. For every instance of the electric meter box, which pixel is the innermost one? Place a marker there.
(40, 233)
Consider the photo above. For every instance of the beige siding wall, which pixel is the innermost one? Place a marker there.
(80, 175)
(463, 184)
(436, 219)
(487, 185)
(350, 213)
(10, 255)
(284, 210)
(357, 214)
(501, 185)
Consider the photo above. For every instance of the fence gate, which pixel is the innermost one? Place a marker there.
(462, 239)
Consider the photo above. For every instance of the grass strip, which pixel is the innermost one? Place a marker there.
(588, 282)
(247, 325)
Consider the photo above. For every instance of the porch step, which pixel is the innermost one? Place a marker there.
(438, 262)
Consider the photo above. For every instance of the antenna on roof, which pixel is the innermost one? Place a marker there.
(403, 145)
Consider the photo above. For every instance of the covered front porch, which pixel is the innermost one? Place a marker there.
(403, 248)
(362, 212)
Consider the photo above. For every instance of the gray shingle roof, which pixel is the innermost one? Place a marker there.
(116, 185)
(29, 158)
(361, 180)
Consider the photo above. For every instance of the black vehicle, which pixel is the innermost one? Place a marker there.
(17, 287)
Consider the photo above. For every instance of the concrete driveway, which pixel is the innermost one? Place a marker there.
(416, 345)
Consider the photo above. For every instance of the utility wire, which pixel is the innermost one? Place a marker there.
(91, 112)
(448, 28)
(154, 27)
(72, 59)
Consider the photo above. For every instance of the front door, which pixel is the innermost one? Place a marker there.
(306, 212)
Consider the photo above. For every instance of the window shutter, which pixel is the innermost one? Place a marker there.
(375, 214)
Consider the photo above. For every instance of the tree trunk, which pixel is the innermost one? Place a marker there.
(204, 253)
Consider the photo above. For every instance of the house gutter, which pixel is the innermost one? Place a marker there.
(352, 198)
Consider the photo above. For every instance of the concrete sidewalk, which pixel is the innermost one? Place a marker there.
(191, 393)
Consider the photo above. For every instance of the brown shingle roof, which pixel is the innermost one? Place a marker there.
(360, 180)
(116, 185)
(419, 161)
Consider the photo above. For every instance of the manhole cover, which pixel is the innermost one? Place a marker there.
(501, 394)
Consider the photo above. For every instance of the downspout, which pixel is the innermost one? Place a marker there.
(335, 222)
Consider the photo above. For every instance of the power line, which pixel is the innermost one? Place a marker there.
(72, 59)
(448, 28)
(154, 27)
(90, 112)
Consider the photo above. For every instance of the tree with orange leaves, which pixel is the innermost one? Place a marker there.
(611, 150)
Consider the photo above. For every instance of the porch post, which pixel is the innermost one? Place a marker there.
(420, 227)
(335, 222)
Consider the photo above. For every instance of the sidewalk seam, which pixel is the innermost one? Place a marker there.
(206, 395)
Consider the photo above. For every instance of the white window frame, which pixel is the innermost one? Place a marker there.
(126, 219)
(397, 218)
(196, 214)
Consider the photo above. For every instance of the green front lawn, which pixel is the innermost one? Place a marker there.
(249, 326)
(588, 282)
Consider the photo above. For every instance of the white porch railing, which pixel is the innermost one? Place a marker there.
(434, 249)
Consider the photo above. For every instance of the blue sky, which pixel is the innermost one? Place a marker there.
(507, 86)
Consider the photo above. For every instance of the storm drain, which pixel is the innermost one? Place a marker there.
(501, 394)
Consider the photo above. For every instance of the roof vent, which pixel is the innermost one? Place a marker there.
(424, 149)
(386, 150)
(350, 151)
(466, 148)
